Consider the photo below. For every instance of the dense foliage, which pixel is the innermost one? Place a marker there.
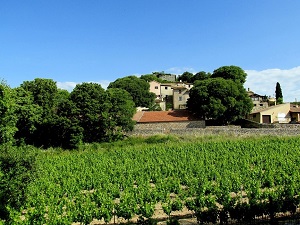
(278, 94)
(191, 78)
(234, 73)
(242, 178)
(8, 117)
(137, 88)
(221, 97)
(40, 114)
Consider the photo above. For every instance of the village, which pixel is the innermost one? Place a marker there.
(173, 96)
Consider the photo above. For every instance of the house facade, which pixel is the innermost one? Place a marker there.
(260, 101)
(166, 89)
(155, 88)
(181, 93)
(175, 94)
(274, 114)
(295, 113)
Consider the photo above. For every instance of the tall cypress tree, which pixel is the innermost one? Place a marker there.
(278, 92)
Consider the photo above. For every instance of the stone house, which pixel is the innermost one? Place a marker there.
(168, 77)
(273, 114)
(260, 101)
(295, 113)
(155, 88)
(176, 93)
(181, 93)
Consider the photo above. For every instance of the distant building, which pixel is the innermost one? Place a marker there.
(274, 114)
(260, 101)
(174, 94)
(165, 76)
(181, 93)
(168, 77)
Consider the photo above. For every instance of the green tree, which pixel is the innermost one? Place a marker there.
(67, 132)
(278, 92)
(29, 115)
(221, 100)
(151, 77)
(234, 73)
(118, 114)
(201, 76)
(186, 77)
(137, 88)
(8, 118)
(90, 100)
(44, 92)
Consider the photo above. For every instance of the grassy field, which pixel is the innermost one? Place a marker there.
(212, 177)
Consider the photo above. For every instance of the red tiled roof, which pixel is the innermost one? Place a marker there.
(163, 116)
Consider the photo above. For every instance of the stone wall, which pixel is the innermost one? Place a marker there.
(170, 125)
(195, 129)
(165, 127)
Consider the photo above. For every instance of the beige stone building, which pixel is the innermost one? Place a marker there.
(166, 89)
(155, 88)
(181, 93)
(295, 113)
(274, 114)
(260, 101)
(176, 94)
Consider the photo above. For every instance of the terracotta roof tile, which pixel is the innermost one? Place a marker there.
(163, 116)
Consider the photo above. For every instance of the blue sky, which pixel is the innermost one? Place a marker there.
(102, 40)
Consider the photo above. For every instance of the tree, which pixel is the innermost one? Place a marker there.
(278, 92)
(29, 115)
(8, 118)
(118, 114)
(186, 77)
(44, 92)
(201, 76)
(219, 99)
(90, 100)
(151, 77)
(139, 90)
(234, 73)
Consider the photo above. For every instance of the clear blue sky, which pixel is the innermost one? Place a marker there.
(102, 40)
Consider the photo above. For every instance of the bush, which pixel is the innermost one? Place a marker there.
(16, 170)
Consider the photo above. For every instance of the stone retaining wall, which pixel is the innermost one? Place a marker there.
(184, 129)
(167, 126)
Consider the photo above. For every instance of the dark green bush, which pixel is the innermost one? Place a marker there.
(17, 166)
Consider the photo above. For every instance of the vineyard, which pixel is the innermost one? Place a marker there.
(216, 180)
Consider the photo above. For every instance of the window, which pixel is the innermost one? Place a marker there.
(156, 87)
(166, 88)
(180, 98)
(179, 91)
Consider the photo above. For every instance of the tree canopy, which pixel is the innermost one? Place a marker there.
(186, 77)
(234, 73)
(220, 99)
(40, 114)
(137, 88)
(278, 92)
(118, 115)
(201, 76)
(8, 118)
